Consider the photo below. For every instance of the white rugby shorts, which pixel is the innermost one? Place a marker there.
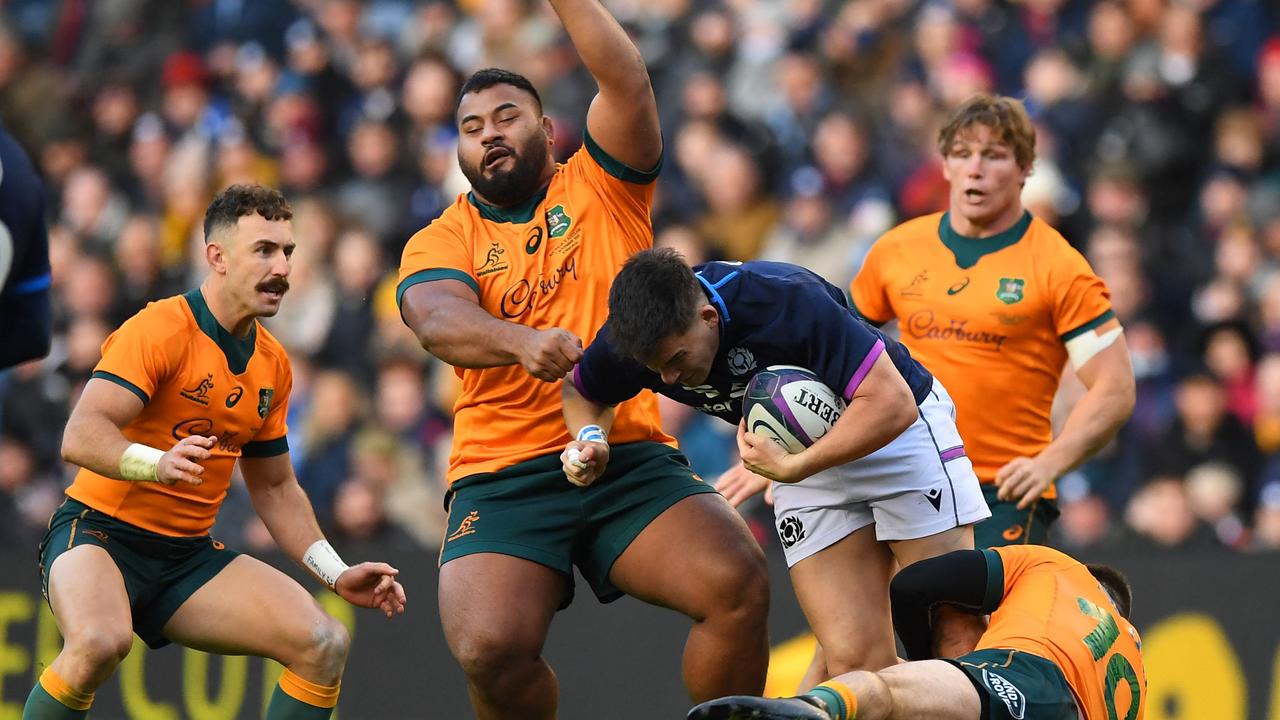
(918, 485)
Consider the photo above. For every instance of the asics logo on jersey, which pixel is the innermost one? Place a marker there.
(466, 527)
(958, 286)
(790, 530)
(234, 396)
(1008, 693)
(200, 393)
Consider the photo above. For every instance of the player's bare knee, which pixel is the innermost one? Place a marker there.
(485, 656)
(740, 590)
(99, 648)
(330, 642)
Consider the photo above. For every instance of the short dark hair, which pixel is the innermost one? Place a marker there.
(488, 77)
(239, 201)
(654, 296)
(1116, 585)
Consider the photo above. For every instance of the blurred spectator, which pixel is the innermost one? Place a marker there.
(796, 131)
(1160, 512)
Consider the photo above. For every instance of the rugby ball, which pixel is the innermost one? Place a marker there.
(790, 406)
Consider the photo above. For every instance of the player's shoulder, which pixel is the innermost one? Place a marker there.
(163, 318)
(1035, 555)
(268, 344)
(451, 222)
(916, 230)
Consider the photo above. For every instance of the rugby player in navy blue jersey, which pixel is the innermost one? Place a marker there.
(889, 482)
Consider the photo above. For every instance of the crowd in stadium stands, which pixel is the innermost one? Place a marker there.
(797, 130)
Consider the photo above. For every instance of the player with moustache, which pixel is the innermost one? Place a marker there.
(888, 484)
(186, 390)
(505, 286)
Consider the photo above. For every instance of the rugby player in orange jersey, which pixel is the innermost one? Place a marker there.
(1059, 647)
(506, 285)
(996, 303)
(185, 389)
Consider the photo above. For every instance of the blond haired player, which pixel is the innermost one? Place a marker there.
(186, 389)
(506, 286)
(996, 304)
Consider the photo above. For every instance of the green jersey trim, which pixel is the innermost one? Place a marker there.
(1094, 323)
(112, 377)
(968, 251)
(995, 581)
(265, 448)
(616, 168)
(238, 351)
(431, 275)
(518, 214)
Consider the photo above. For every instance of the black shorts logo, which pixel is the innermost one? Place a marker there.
(790, 530)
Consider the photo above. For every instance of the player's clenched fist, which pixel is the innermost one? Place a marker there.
(584, 463)
(550, 354)
(183, 462)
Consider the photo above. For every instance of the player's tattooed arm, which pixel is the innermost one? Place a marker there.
(623, 119)
(448, 320)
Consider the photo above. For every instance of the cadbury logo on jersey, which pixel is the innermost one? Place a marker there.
(925, 325)
(524, 294)
(228, 440)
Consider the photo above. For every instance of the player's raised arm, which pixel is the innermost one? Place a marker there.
(447, 318)
(93, 440)
(623, 119)
(286, 511)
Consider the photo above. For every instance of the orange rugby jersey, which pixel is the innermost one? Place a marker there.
(1053, 608)
(546, 264)
(194, 378)
(988, 317)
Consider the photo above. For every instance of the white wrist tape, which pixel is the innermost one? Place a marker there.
(591, 433)
(139, 462)
(324, 561)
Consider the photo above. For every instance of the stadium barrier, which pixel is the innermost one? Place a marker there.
(1211, 638)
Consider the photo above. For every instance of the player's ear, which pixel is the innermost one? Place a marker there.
(708, 314)
(216, 257)
(549, 128)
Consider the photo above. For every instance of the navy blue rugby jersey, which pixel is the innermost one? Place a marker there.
(770, 314)
(25, 311)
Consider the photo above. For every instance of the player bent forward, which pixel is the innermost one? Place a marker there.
(129, 550)
(1059, 647)
(889, 482)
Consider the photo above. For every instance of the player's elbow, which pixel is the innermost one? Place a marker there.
(905, 411)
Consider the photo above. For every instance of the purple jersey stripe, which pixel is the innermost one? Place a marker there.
(577, 384)
(952, 453)
(863, 369)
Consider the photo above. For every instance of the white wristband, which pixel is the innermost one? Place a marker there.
(139, 462)
(324, 561)
(591, 433)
